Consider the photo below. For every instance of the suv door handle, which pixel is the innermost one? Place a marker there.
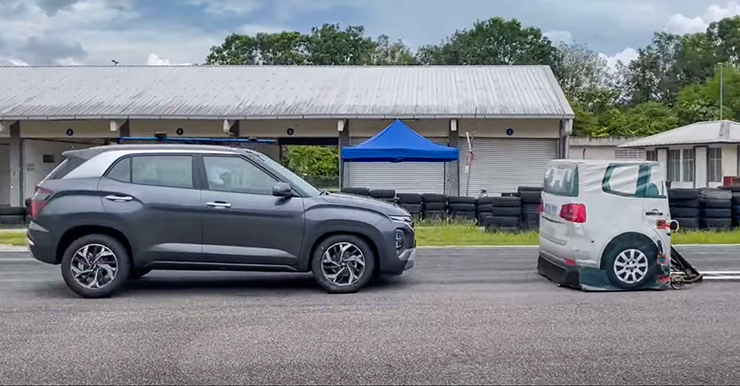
(219, 204)
(115, 198)
(654, 212)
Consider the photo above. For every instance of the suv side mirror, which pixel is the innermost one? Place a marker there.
(281, 189)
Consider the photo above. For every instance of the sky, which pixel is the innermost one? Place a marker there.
(160, 32)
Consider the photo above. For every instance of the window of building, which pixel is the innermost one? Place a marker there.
(169, 171)
(714, 164)
(636, 154)
(688, 165)
(651, 155)
(674, 165)
(233, 174)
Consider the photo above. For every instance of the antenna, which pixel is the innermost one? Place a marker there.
(721, 89)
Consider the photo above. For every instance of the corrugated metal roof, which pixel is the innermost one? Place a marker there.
(606, 141)
(268, 92)
(695, 133)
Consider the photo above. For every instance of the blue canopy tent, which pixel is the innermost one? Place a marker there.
(399, 143)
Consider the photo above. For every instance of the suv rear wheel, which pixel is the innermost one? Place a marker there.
(343, 264)
(95, 266)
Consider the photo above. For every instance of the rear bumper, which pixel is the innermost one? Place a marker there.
(558, 272)
(40, 244)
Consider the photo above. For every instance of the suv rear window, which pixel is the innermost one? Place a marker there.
(65, 168)
(562, 180)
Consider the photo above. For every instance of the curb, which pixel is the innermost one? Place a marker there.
(11, 248)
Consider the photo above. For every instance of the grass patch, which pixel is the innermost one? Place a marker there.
(13, 237)
(437, 234)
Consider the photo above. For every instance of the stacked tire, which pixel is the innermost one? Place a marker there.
(506, 215)
(411, 202)
(483, 209)
(13, 215)
(461, 208)
(387, 195)
(684, 205)
(434, 206)
(364, 192)
(736, 209)
(715, 209)
(531, 198)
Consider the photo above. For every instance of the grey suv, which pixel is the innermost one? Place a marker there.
(116, 212)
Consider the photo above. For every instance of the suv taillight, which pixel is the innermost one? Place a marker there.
(540, 208)
(574, 213)
(39, 200)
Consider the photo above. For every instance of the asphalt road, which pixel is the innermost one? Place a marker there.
(460, 316)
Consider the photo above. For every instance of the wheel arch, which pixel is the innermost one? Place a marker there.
(627, 238)
(75, 233)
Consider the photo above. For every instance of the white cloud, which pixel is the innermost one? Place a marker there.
(11, 62)
(559, 36)
(625, 56)
(155, 60)
(229, 7)
(680, 24)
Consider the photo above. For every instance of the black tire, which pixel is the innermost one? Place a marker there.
(433, 197)
(715, 194)
(610, 258)
(13, 220)
(529, 189)
(687, 222)
(409, 198)
(463, 215)
(736, 199)
(682, 194)
(412, 208)
(711, 203)
(461, 200)
(506, 221)
(687, 203)
(121, 256)
(435, 205)
(506, 201)
(485, 208)
(456, 206)
(138, 273)
(530, 197)
(13, 211)
(357, 191)
(325, 282)
(531, 224)
(485, 200)
(736, 210)
(684, 212)
(715, 223)
(382, 193)
(715, 213)
(508, 211)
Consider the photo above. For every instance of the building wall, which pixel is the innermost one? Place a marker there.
(520, 128)
(60, 129)
(4, 173)
(33, 160)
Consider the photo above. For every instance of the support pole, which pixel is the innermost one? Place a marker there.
(343, 129)
(16, 165)
(453, 168)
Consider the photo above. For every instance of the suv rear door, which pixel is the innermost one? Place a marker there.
(154, 199)
(243, 222)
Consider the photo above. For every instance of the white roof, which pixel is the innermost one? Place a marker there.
(695, 133)
(268, 92)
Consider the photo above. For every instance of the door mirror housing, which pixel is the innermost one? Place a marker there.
(281, 189)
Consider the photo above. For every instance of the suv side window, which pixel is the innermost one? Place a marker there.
(175, 171)
(121, 171)
(235, 174)
(634, 180)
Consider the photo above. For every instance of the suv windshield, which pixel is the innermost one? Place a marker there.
(293, 179)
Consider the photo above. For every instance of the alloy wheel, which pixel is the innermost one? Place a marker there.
(343, 263)
(94, 266)
(631, 266)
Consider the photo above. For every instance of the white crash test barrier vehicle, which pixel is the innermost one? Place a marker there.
(605, 225)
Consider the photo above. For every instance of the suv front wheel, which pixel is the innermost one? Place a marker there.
(95, 266)
(343, 264)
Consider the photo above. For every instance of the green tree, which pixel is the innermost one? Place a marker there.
(312, 160)
(330, 45)
(387, 53)
(585, 78)
(282, 48)
(493, 41)
(725, 38)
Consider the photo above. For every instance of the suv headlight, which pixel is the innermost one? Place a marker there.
(404, 219)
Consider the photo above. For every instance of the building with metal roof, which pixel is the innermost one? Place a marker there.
(517, 116)
(697, 155)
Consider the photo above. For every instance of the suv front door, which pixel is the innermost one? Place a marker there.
(243, 222)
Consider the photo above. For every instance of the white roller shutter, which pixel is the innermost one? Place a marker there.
(404, 177)
(503, 164)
